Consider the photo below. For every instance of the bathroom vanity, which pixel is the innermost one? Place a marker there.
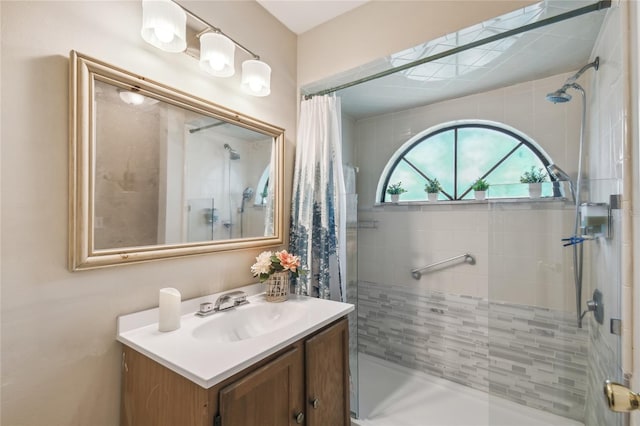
(263, 364)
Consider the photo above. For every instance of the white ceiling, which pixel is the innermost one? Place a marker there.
(302, 15)
(550, 50)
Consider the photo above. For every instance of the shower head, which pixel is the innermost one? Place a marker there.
(560, 175)
(233, 154)
(247, 194)
(561, 95)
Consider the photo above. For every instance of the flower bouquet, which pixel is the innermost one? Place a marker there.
(275, 269)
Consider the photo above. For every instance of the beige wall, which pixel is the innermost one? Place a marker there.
(60, 360)
(380, 28)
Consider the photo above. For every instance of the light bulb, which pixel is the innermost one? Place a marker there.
(255, 85)
(217, 62)
(217, 54)
(256, 77)
(163, 34)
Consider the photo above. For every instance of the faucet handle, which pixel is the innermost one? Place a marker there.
(240, 300)
(238, 297)
(206, 309)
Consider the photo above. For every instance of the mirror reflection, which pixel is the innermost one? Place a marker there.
(158, 173)
(167, 175)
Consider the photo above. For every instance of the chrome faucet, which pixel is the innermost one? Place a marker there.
(224, 302)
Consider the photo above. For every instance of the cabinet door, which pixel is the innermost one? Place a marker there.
(153, 395)
(270, 396)
(327, 369)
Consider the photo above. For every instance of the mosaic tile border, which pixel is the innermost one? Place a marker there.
(533, 356)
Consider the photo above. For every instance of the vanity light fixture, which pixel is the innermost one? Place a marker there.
(217, 54)
(256, 77)
(164, 25)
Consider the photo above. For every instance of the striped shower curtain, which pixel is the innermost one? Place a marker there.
(318, 208)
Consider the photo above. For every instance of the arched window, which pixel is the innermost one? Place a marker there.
(459, 153)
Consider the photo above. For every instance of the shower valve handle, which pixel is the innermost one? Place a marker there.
(573, 241)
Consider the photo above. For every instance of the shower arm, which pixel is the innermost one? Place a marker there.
(571, 80)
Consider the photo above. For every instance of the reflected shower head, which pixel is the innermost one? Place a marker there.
(233, 154)
(247, 194)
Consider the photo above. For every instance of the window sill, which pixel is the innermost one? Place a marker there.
(518, 200)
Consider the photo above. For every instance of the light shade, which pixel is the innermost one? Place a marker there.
(164, 25)
(256, 77)
(131, 98)
(217, 54)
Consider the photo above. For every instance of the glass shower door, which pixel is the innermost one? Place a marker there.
(352, 297)
(540, 358)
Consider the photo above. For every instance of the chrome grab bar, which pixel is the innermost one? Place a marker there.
(417, 273)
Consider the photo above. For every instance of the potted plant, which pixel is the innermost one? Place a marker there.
(480, 187)
(275, 268)
(534, 178)
(432, 188)
(395, 190)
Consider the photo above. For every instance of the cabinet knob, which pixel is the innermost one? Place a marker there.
(314, 402)
(299, 418)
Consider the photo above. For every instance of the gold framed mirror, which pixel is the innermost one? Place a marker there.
(156, 173)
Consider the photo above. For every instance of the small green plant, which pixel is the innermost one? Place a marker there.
(533, 176)
(480, 185)
(396, 188)
(433, 186)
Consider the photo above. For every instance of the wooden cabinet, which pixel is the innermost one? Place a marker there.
(305, 383)
(327, 376)
(270, 396)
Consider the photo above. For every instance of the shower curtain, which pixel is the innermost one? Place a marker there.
(318, 207)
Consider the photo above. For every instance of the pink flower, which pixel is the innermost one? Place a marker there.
(288, 261)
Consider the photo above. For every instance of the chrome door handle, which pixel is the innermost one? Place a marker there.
(620, 398)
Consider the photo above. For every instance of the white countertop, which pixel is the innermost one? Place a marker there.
(207, 362)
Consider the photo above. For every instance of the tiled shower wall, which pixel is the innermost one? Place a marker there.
(533, 356)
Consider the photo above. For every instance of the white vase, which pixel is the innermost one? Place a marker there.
(395, 198)
(433, 196)
(535, 190)
(480, 195)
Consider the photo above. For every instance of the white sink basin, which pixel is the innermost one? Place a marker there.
(247, 322)
(211, 349)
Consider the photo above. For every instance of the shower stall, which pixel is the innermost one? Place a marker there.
(511, 337)
(223, 168)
